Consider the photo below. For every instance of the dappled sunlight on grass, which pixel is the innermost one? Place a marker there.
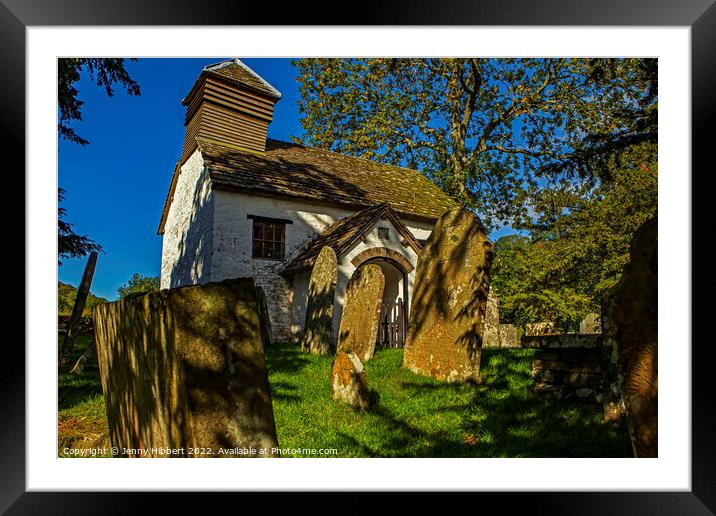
(416, 416)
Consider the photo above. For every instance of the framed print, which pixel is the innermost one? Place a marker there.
(273, 49)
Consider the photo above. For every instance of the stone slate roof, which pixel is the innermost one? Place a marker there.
(295, 171)
(235, 72)
(342, 234)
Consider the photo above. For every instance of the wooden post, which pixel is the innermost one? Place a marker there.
(77, 309)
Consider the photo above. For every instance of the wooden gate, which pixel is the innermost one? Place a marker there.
(392, 327)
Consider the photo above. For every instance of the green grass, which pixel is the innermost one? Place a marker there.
(416, 416)
(413, 416)
(81, 419)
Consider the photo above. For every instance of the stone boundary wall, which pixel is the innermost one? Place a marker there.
(85, 326)
(568, 365)
(183, 372)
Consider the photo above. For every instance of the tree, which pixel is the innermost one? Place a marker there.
(139, 284)
(106, 72)
(637, 119)
(562, 271)
(70, 244)
(486, 130)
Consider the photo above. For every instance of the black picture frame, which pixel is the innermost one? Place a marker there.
(16, 15)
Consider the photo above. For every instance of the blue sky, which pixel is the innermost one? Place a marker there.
(116, 185)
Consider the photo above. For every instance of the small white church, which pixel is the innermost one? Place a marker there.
(243, 205)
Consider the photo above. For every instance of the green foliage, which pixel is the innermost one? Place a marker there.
(486, 130)
(578, 246)
(66, 295)
(138, 285)
(106, 72)
(70, 244)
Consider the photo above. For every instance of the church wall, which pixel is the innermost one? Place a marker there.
(187, 242)
(232, 247)
(286, 299)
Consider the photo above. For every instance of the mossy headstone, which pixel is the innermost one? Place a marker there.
(183, 372)
(318, 328)
(444, 339)
(361, 312)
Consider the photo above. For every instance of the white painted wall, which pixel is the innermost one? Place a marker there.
(215, 223)
(187, 242)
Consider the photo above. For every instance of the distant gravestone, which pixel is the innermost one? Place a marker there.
(509, 336)
(491, 330)
(444, 337)
(318, 328)
(183, 372)
(592, 323)
(348, 380)
(540, 328)
(361, 312)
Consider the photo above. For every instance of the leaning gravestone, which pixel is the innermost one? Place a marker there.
(630, 333)
(183, 369)
(348, 380)
(318, 329)
(361, 312)
(444, 338)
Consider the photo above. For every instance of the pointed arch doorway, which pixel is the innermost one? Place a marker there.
(395, 303)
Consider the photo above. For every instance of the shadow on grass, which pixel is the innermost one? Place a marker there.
(74, 389)
(415, 416)
(285, 358)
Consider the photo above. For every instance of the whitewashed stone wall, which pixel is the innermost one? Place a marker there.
(220, 227)
(187, 244)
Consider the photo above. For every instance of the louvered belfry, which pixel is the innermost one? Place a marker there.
(231, 105)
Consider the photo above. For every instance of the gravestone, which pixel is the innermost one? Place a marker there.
(348, 380)
(444, 338)
(183, 369)
(592, 323)
(540, 328)
(629, 329)
(318, 328)
(361, 312)
(491, 330)
(263, 317)
(509, 336)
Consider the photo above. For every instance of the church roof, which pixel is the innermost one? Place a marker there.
(343, 234)
(235, 72)
(294, 171)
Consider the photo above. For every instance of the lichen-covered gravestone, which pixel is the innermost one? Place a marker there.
(318, 329)
(361, 312)
(491, 322)
(591, 323)
(629, 329)
(183, 372)
(509, 337)
(444, 338)
(348, 380)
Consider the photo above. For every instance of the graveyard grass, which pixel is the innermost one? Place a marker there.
(413, 416)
